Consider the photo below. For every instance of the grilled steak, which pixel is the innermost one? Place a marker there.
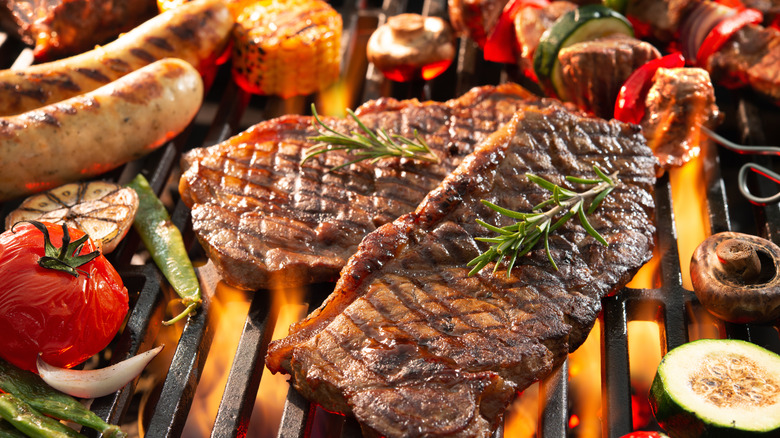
(257, 212)
(751, 57)
(594, 71)
(660, 18)
(530, 24)
(413, 346)
(679, 103)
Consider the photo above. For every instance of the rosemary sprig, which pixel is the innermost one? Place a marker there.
(516, 240)
(367, 144)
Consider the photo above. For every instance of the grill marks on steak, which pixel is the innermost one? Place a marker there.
(257, 212)
(413, 346)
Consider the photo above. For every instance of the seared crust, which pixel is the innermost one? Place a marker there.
(258, 213)
(405, 313)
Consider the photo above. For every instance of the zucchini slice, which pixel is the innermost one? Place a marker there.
(586, 23)
(718, 388)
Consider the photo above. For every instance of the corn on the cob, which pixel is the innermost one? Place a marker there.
(287, 47)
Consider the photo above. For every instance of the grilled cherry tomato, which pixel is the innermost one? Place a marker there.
(59, 297)
(501, 44)
(630, 103)
(724, 30)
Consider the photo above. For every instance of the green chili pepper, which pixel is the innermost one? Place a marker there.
(8, 431)
(31, 422)
(166, 246)
(32, 390)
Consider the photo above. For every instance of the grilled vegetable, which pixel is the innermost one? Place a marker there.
(31, 389)
(732, 282)
(583, 24)
(410, 46)
(501, 44)
(31, 422)
(286, 48)
(99, 382)
(630, 103)
(164, 242)
(709, 25)
(718, 388)
(101, 209)
(8, 431)
(93, 133)
(64, 302)
(644, 434)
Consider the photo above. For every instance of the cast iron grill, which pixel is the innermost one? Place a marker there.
(228, 110)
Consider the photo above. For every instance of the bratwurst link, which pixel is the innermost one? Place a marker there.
(196, 32)
(91, 134)
(413, 346)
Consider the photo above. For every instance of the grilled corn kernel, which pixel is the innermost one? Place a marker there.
(287, 48)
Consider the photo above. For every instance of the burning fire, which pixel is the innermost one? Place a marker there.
(271, 395)
(644, 337)
(230, 307)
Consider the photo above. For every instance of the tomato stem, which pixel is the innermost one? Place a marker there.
(66, 258)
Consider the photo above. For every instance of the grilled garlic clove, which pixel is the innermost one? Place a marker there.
(102, 209)
(735, 277)
(99, 382)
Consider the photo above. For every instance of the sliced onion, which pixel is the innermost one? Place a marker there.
(95, 383)
(705, 16)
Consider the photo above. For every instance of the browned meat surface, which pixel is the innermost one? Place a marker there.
(594, 71)
(530, 24)
(770, 8)
(475, 18)
(413, 346)
(751, 57)
(257, 212)
(59, 28)
(678, 103)
(662, 16)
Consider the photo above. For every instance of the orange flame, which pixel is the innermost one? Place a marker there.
(230, 307)
(271, 395)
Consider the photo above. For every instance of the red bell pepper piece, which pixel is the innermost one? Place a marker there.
(630, 103)
(723, 31)
(734, 4)
(644, 434)
(501, 44)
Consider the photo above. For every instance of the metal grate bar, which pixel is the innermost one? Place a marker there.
(243, 381)
(554, 397)
(139, 335)
(178, 390)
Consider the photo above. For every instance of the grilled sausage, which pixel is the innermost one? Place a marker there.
(93, 133)
(197, 32)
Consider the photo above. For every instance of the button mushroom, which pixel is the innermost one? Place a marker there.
(410, 46)
(735, 276)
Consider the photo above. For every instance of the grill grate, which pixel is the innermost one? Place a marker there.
(229, 110)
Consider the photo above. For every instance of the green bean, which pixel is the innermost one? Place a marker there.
(31, 389)
(8, 431)
(31, 422)
(166, 246)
